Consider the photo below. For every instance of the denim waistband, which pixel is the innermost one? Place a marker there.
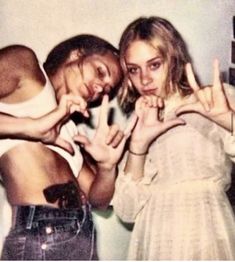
(27, 216)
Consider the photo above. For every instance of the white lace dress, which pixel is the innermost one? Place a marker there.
(180, 208)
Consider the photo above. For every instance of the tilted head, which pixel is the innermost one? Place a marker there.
(153, 57)
(85, 65)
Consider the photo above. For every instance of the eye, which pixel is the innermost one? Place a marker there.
(155, 65)
(132, 70)
(101, 72)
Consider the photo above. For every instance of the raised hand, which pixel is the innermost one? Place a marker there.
(47, 128)
(210, 101)
(107, 145)
(150, 124)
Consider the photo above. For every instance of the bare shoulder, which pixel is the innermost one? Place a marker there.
(18, 64)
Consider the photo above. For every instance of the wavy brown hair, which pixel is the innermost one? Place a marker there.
(163, 36)
(85, 45)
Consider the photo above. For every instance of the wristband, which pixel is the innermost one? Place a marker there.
(138, 154)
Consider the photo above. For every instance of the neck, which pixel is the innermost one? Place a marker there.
(58, 84)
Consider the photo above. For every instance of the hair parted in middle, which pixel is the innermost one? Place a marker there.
(164, 37)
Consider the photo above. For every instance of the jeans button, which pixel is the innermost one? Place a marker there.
(44, 246)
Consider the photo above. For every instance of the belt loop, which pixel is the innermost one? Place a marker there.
(30, 217)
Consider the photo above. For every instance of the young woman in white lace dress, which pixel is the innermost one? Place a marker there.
(177, 169)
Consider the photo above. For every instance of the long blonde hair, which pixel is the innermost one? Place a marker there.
(172, 48)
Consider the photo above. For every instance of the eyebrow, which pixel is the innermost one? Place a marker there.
(149, 61)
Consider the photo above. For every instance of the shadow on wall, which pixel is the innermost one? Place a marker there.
(113, 236)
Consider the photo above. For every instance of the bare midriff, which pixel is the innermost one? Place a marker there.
(28, 169)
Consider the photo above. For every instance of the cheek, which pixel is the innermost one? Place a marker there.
(160, 77)
(88, 73)
(135, 80)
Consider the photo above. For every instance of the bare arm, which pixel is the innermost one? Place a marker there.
(46, 128)
(105, 148)
(147, 129)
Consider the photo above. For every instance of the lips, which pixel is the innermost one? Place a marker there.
(150, 91)
(90, 93)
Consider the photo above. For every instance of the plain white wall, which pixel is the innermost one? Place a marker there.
(206, 25)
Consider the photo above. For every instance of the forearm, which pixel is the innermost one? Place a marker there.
(102, 188)
(13, 127)
(135, 160)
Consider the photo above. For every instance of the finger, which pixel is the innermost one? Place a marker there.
(117, 139)
(139, 107)
(149, 100)
(64, 145)
(201, 95)
(151, 115)
(195, 107)
(131, 124)
(216, 75)
(155, 101)
(72, 103)
(113, 130)
(53, 119)
(103, 115)
(140, 101)
(160, 102)
(77, 108)
(81, 139)
(191, 78)
(208, 96)
(173, 123)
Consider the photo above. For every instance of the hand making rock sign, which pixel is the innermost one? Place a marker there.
(211, 101)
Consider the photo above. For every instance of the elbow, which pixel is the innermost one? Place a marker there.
(101, 205)
(100, 202)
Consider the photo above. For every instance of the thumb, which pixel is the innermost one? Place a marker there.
(64, 145)
(81, 139)
(130, 125)
(172, 123)
(195, 107)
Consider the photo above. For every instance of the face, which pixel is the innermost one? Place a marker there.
(95, 76)
(146, 68)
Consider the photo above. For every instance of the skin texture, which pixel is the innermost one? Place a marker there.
(147, 71)
(75, 85)
(95, 76)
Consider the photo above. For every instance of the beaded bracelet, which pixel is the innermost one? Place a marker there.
(138, 154)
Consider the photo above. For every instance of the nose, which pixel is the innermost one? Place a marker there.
(145, 78)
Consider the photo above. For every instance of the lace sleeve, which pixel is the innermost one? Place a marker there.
(227, 137)
(131, 195)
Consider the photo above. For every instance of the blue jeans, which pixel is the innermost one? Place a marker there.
(45, 233)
